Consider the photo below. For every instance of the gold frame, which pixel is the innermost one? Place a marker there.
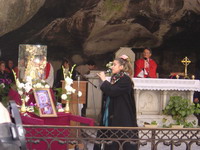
(47, 97)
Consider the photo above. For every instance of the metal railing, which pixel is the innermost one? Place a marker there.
(84, 137)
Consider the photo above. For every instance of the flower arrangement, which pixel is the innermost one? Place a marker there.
(109, 65)
(23, 89)
(68, 90)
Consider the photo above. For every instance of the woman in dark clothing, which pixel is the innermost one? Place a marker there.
(64, 69)
(119, 104)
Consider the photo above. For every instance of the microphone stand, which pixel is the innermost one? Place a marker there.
(91, 84)
(78, 96)
(86, 79)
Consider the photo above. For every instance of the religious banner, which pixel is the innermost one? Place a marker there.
(31, 61)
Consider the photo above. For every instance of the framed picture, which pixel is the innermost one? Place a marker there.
(44, 102)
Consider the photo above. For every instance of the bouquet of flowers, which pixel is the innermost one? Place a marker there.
(68, 90)
(23, 90)
(109, 65)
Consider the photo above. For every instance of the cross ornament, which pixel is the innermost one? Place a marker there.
(186, 62)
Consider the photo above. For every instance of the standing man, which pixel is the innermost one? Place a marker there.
(145, 67)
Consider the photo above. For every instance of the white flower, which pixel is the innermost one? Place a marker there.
(2, 85)
(38, 85)
(27, 87)
(68, 81)
(47, 86)
(73, 90)
(29, 79)
(26, 98)
(64, 96)
(20, 92)
(69, 89)
(43, 81)
(21, 85)
(61, 110)
(79, 93)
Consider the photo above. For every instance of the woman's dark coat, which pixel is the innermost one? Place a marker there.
(122, 110)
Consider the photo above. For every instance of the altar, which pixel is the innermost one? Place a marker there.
(151, 96)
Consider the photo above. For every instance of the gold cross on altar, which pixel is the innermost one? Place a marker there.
(186, 62)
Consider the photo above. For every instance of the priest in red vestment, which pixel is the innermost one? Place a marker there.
(145, 67)
(49, 74)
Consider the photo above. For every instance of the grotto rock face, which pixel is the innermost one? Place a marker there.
(103, 26)
(94, 27)
(15, 13)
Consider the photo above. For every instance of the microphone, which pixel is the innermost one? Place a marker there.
(145, 58)
(108, 71)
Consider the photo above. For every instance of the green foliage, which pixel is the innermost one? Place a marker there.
(58, 93)
(180, 108)
(197, 110)
(36, 110)
(153, 123)
(4, 90)
(164, 120)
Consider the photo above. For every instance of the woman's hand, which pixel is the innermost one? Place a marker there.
(102, 76)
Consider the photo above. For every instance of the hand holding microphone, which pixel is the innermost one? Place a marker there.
(102, 76)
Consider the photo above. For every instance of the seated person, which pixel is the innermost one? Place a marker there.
(145, 67)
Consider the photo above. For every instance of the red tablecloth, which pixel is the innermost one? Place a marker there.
(62, 119)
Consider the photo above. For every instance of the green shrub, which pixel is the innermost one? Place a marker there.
(180, 108)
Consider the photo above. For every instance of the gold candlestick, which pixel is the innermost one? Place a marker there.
(186, 62)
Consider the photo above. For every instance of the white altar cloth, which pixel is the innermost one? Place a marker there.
(151, 96)
(166, 84)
